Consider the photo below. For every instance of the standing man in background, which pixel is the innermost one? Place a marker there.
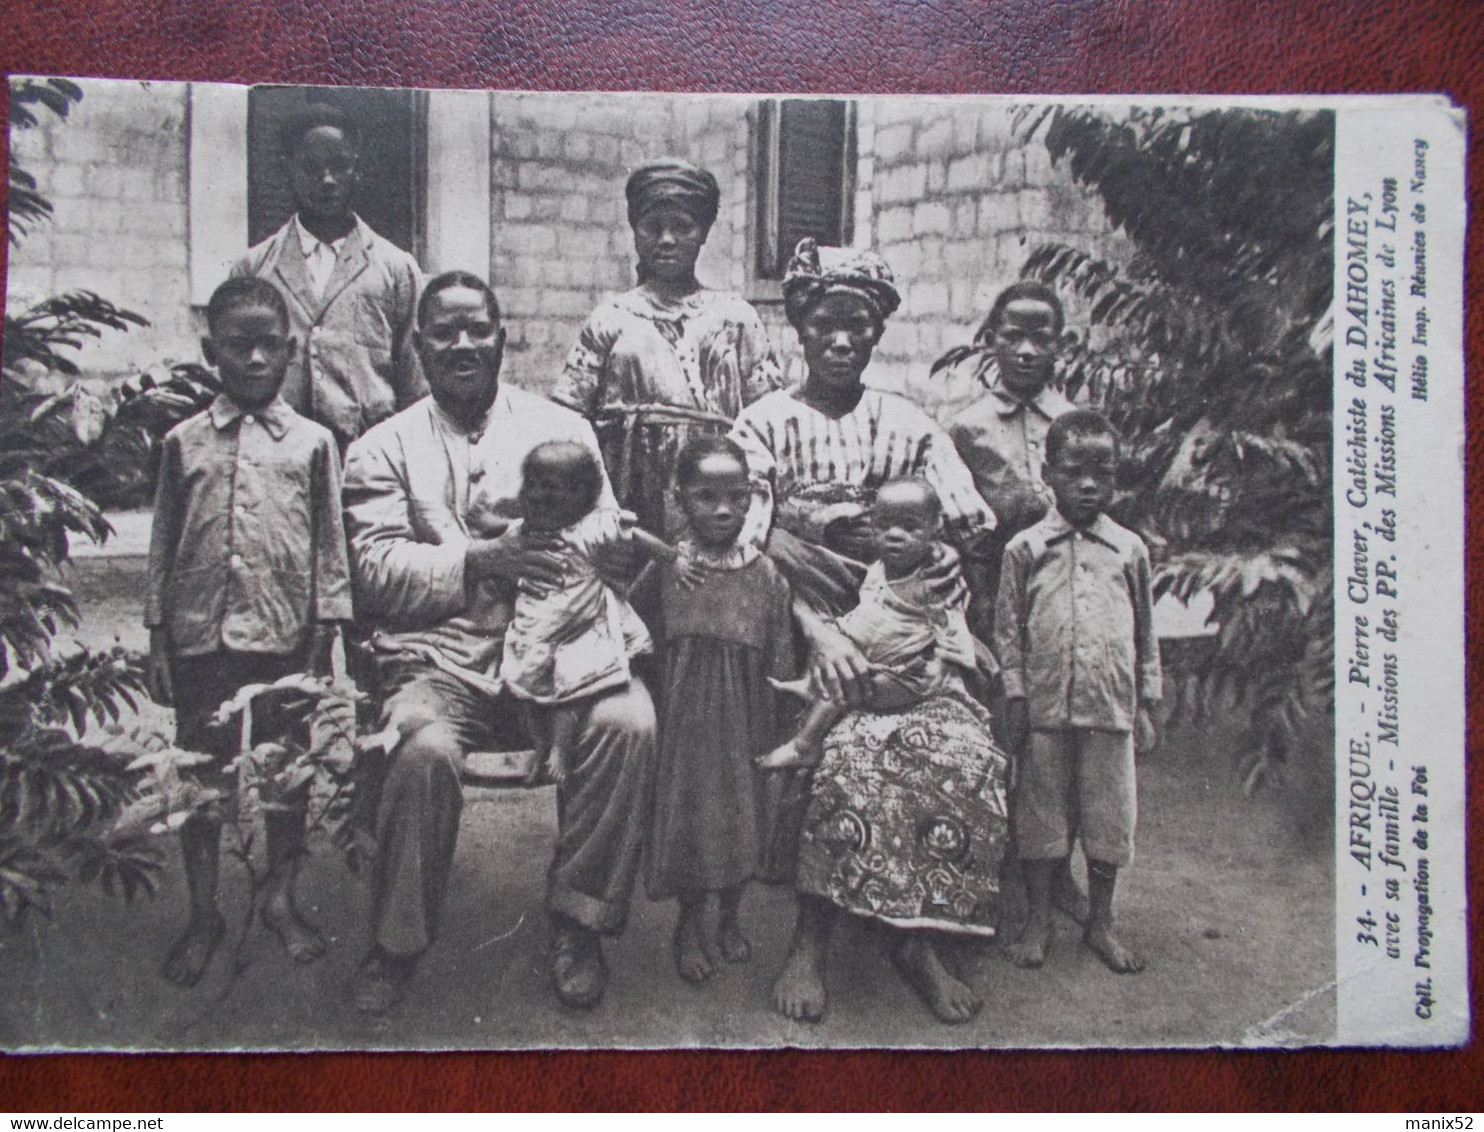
(352, 294)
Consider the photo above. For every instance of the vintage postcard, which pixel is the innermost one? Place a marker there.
(498, 570)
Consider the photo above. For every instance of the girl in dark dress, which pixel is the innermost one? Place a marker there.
(721, 641)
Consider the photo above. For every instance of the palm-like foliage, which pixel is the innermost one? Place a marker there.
(63, 452)
(1212, 356)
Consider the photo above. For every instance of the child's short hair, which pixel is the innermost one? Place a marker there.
(929, 492)
(447, 282)
(697, 448)
(242, 291)
(1077, 423)
(1026, 290)
(585, 469)
(312, 117)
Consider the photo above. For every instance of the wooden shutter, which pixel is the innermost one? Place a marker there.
(806, 164)
(388, 194)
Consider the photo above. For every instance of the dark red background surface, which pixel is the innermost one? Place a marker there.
(1275, 46)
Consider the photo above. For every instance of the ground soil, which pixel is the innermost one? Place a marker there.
(1230, 899)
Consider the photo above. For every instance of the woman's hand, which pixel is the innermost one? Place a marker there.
(535, 562)
(838, 670)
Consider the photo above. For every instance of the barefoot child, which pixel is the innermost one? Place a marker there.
(902, 630)
(247, 580)
(722, 640)
(1074, 634)
(570, 643)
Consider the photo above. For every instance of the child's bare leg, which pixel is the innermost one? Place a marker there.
(280, 914)
(1066, 897)
(693, 958)
(1102, 878)
(807, 747)
(798, 992)
(200, 847)
(799, 687)
(730, 941)
(1029, 949)
(919, 964)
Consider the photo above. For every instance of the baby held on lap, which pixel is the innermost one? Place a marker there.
(908, 635)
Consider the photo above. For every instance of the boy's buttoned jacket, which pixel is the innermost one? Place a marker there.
(1074, 626)
(248, 545)
(355, 364)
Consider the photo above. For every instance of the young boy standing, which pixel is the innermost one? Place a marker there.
(248, 578)
(352, 295)
(1002, 436)
(1075, 638)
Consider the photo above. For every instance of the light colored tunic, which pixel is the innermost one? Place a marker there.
(808, 468)
(407, 508)
(247, 550)
(651, 373)
(1074, 631)
(576, 640)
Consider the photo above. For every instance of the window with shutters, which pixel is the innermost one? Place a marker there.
(806, 167)
(389, 191)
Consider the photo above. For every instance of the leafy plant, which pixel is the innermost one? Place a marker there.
(299, 756)
(1210, 351)
(64, 756)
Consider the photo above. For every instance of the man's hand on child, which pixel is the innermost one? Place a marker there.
(1146, 731)
(157, 669)
(534, 560)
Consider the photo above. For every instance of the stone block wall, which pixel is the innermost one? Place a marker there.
(945, 189)
(957, 199)
(115, 173)
(559, 230)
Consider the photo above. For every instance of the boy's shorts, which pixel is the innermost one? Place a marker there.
(203, 683)
(1076, 783)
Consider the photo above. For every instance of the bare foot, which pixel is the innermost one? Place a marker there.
(189, 955)
(300, 940)
(798, 688)
(556, 766)
(732, 943)
(949, 999)
(798, 992)
(1117, 957)
(1029, 949)
(692, 959)
(787, 757)
(1068, 898)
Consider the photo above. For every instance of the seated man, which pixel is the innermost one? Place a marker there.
(418, 572)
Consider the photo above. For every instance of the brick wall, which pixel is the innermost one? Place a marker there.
(559, 230)
(957, 200)
(945, 190)
(115, 172)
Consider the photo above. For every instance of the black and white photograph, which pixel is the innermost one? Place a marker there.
(453, 542)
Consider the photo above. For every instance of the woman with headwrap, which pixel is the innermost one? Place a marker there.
(905, 819)
(670, 358)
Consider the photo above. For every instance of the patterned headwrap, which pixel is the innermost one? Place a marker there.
(673, 181)
(815, 272)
